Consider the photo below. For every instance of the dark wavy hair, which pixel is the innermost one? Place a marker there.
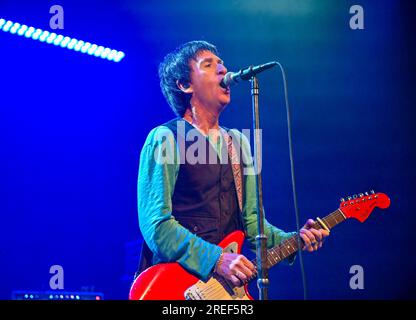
(175, 67)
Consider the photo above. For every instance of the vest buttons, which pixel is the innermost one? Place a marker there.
(195, 228)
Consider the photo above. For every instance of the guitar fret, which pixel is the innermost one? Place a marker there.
(292, 248)
(275, 259)
(282, 250)
(327, 221)
(278, 254)
(268, 260)
(291, 245)
(342, 214)
(273, 255)
(336, 217)
(287, 247)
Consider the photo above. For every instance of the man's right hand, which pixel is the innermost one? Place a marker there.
(235, 267)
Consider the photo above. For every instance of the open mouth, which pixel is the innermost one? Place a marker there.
(226, 89)
(222, 85)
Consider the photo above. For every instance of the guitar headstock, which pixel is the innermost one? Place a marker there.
(360, 206)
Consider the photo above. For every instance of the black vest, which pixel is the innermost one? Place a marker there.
(205, 198)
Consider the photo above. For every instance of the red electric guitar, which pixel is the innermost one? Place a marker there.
(169, 281)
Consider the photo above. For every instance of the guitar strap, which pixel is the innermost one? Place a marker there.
(234, 157)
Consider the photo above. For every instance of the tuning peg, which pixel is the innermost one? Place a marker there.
(366, 193)
(342, 200)
(372, 192)
(354, 196)
(361, 195)
(349, 198)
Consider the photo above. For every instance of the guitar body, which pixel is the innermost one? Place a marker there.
(169, 281)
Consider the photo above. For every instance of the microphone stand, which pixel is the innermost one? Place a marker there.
(261, 238)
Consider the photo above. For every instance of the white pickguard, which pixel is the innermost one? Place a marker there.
(217, 288)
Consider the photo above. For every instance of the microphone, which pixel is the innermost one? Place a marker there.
(232, 78)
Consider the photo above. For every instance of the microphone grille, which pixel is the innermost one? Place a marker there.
(225, 82)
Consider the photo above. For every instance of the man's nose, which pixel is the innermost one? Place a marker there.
(222, 69)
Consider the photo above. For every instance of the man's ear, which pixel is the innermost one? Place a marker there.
(187, 88)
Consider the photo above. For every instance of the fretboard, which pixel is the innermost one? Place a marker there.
(290, 246)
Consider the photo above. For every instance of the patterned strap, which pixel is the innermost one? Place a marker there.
(235, 165)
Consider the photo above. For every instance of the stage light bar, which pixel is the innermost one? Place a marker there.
(60, 40)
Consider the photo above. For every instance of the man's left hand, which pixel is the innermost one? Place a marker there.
(312, 238)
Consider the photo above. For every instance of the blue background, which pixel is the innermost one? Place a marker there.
(72, 126)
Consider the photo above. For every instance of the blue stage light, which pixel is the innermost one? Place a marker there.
(14, 28)
(111, 55)
(65, 42)
(7, 26)
(36, 34)
(22, 30)
(85, 47)
(60, 40)
(79, 45)
(99, 50)
(29, 32)
(43, 36)
(105, 53)
(92, 49)
(51, 37)
(119, 56)
(72, 44)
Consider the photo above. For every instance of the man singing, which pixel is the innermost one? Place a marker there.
(188, 203)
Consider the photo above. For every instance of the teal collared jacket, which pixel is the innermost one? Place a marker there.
(166, 238)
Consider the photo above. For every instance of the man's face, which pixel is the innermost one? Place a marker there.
(207, 71)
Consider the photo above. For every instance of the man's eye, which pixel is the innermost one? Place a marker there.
(208, 65)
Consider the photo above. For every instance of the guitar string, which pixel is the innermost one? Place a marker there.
(214, 289)
(217, 287)
(210, 288)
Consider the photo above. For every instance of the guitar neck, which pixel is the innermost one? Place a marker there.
(290, 246)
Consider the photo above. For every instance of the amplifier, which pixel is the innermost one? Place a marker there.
(56, 295)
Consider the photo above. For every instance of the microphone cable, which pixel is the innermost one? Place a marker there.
(292, 170)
